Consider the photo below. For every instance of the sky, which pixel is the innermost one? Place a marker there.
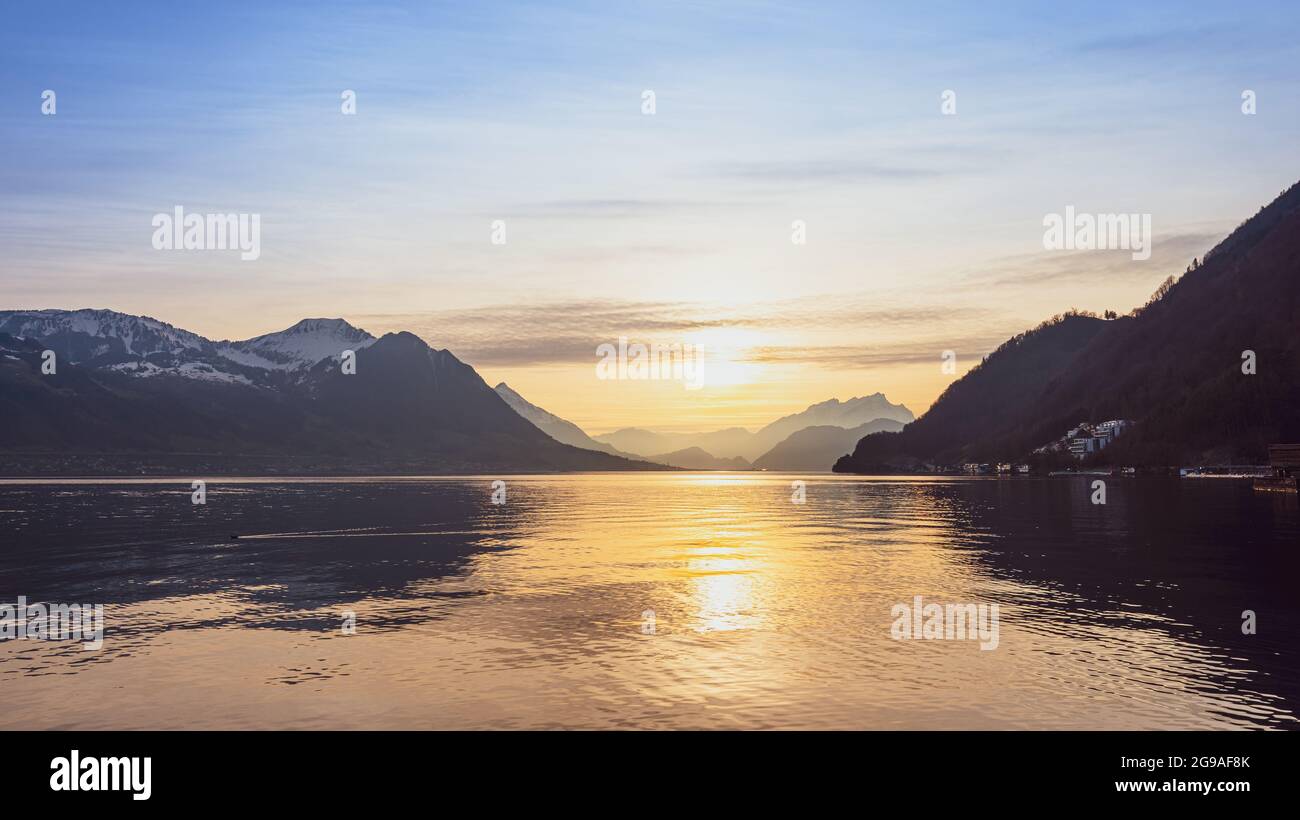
(923, 230)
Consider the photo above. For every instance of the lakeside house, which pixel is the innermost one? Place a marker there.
(1001, 468)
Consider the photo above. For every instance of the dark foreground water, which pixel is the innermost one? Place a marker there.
(644, 600)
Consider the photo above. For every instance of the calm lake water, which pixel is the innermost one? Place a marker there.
(766, 613)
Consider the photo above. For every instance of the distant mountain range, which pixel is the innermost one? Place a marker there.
(817, 448)
(133, 394)
(143, 346)
(1175, 366)
(565, 432)
(695, 458)
(806, 448)
(735, 442)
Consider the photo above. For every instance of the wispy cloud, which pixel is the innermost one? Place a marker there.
(862, 356)
(823, 171)
(1164, 39)
(569, 332)
(599, 208)
(1169, 254)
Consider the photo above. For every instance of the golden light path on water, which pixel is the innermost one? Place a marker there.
(619, 600)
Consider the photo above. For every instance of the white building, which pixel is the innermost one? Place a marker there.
(1092, 438)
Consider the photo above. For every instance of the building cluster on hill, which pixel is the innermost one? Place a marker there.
(1086, 438)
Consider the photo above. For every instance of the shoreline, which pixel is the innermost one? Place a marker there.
(380, 478)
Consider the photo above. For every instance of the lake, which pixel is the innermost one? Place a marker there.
(655, 600)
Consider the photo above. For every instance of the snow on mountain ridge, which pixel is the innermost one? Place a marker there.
(107, 338)
(525, 408)
(303, 345)
(140, 335)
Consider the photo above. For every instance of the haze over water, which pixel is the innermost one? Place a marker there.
(767, 614)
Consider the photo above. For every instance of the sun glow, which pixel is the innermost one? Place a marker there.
(726, 356)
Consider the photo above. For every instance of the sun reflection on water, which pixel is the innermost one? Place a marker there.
(722, 583)
(658, 600)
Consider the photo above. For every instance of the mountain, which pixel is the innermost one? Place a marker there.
(853, 413)
(563, 431)
(638, 441)
(1174, 366)
(106, 339)
(817, 448)
(735, 442)
(694, 458)
(131, 394)
(300, 346)
(144, 346)
(968, 422)
(726, 443)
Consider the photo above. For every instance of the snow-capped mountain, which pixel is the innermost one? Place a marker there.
(134, 395)
(145, 347)
(303, 345)
(90, 334)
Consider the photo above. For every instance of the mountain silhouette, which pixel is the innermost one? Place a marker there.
(1175, 366)
(816, 448)
(565, 432)
(694, 458)
(734, 442)
(131, 394)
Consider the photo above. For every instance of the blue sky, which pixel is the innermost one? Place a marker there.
(622, 222)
